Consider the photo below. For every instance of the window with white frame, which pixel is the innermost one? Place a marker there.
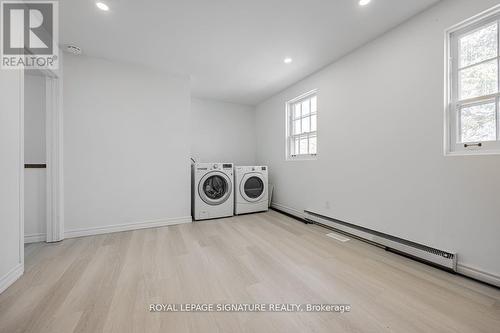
(474, 87)
(302, 128)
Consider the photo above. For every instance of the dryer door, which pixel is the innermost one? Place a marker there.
(253, 187)
(215, 188)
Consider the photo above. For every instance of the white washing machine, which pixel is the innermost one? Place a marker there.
(251, 189)
(212, 190)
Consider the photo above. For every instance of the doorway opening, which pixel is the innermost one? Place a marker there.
(43, 182)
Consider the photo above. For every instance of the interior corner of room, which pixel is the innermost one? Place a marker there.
(378, 156)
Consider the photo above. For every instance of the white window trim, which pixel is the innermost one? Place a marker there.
(450, 145)
(288, 156)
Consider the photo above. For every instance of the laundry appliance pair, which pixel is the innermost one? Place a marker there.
(222, 190)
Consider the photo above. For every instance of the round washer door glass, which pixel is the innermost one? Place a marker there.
(215, 187)
(253, 187)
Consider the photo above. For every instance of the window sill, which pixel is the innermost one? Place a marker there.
(302, 158)
(471, 153)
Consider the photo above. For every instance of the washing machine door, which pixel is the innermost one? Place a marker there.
(252, 187)
(215, 188)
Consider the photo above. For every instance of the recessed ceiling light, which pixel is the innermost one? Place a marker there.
(102, 6)
(364, 2)
(287, 60)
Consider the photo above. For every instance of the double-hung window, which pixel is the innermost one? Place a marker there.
(473, 119)
(302, 131)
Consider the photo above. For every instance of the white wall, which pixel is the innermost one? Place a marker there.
(35, 205)
(126, 146)
(381, 162)
(11, 176)
(222, 132)
(34, 119)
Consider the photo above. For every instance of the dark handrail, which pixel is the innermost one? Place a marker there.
(35, 166)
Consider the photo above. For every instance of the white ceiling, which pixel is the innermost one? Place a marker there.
(232, 49)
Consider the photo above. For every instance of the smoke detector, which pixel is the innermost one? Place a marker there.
(73, 49)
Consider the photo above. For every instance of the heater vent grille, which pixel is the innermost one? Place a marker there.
(338, 237)
(438, 257)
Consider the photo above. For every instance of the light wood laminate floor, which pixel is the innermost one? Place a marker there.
(105, 283)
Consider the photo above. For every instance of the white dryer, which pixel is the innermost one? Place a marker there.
(251, 189)
(212, 190)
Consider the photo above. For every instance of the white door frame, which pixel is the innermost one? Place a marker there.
(54, 151)
(21, 169)
(54, 147)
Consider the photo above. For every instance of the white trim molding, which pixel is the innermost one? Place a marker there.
(478, 274)
(18, 270)
(8, 279)
(126, 227)
(288, 210)
(54, 139)
(34, 238)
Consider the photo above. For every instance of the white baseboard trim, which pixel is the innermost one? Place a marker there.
(126, 227)
(478, 274)
(35, 238)
(288, 210)
(8, 279)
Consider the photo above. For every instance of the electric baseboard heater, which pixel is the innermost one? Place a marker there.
(437, 257)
